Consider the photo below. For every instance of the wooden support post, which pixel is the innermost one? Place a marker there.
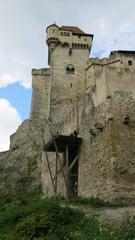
(67, 170)
(60, 169)
(49, 167)
(56, 170)
(57, 152)
(73, 162)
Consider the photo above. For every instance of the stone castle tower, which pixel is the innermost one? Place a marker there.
(80, 137)
(62, 84)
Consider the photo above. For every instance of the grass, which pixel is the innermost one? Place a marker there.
(30, 217)
(93, 202)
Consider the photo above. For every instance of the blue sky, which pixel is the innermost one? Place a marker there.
(22, 44)
(19, 97)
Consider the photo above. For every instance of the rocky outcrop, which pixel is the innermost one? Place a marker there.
(20, 166)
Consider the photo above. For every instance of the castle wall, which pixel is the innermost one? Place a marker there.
(120, 79)
(97, 83)
(53, 31)
(127, 59)
(105, 80)
(41, 85)
(70, 123)
(47, 186)
(65, 36)
(75, 39)
(106, 160)
(67, 88)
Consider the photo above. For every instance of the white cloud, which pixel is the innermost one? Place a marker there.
(22, 42)
(9, 121)
(10, 78)
(6, 79)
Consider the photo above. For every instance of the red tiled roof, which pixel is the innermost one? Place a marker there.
(73, 29)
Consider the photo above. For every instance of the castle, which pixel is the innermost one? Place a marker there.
(80, 138)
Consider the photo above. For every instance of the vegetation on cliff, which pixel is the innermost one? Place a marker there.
(33, 218)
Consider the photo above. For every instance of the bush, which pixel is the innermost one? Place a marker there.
(4, 200)
(35, 225)
(33, 218)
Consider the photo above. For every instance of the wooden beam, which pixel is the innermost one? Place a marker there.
(67, 170)
(56, 170)
(73, 162)
(49, 167)
(57, 152)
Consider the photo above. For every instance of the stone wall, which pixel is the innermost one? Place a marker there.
(66, 88)
(41, 86)
(54, 33)
(105, 80)
(106, 162)
(47, 185)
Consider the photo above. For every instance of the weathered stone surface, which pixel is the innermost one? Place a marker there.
(107, 157)
(109, 215)
(20, 167)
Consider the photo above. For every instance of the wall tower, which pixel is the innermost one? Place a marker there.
(57, 88)
(68, 53)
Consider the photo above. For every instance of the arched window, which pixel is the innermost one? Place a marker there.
(67, 70)
(70, 69)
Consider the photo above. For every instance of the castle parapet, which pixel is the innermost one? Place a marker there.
(41, 85)
(67, 36)
(42, 71)
(52, 32)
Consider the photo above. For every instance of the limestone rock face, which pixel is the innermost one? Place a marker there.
(107, 154)
(20, 166)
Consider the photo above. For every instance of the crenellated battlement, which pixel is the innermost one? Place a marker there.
(67, 37)
(42, 71)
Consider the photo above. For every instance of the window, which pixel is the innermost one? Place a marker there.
(129, 62)
(67, 70)
(70, 52)
(70, 70)
(65, 33)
